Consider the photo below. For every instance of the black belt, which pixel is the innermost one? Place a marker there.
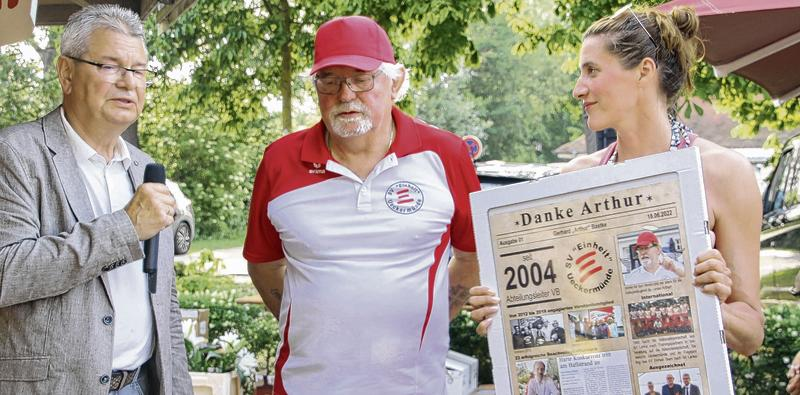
(121, 378)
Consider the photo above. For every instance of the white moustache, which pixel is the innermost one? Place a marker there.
(349, 107)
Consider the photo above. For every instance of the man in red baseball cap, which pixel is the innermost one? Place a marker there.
(654, 264)
(351, 224)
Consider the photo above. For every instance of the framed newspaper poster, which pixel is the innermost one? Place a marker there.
(594, 274)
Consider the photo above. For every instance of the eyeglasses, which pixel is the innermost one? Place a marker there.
(628, 8)
(330, 85)
(113, 72)
(641, 249)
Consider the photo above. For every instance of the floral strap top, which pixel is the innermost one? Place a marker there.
(682, 137)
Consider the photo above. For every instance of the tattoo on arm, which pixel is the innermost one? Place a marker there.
(458, 296)
(276, 293)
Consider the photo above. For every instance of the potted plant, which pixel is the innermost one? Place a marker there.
(223, 366)
(232, 327)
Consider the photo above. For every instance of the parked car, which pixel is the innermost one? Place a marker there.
(497, 173)
(781, 220)
(183, 227)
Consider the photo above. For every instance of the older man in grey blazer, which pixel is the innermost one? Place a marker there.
(76, 315)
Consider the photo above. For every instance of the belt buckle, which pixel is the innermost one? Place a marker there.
(121, 378)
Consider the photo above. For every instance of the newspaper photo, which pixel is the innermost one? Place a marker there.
(594, 274)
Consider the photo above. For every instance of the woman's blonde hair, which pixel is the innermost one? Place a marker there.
(671, 40)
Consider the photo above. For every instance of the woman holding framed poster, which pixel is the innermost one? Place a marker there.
(634, 66)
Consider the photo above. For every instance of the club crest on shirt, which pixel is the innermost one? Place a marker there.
(404, 197)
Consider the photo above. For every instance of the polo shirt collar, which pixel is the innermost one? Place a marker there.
(84, 152)
(406, 140)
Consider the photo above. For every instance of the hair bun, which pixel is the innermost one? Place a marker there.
(687, 22)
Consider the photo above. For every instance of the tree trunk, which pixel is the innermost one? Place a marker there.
(48, 53)
(286, 68)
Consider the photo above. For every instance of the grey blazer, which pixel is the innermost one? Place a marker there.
(56, 332)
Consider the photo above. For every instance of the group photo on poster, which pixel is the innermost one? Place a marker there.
(661, 317)
(671, 382)
(599, 323)
(538, 331)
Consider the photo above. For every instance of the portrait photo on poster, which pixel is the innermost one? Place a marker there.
(538, 377)
(651, 254)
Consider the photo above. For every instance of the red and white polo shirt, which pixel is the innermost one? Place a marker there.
(365, 302)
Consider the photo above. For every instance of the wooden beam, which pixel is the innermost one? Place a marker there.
(147, 6)
(56, 12)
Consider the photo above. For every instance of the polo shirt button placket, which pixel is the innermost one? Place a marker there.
(363, 198)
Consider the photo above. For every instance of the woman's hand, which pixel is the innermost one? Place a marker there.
(484, 306)
(712, 275)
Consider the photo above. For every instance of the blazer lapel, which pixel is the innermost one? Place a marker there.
(69, 175)
(135, 171)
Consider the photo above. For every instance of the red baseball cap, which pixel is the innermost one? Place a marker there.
(646, 238)
(353, 41)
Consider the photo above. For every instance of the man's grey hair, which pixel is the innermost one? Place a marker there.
(395, 71)
(81, 25)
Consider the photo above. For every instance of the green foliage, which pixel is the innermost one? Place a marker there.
(465, 340)
(527, 97)
(448, 104)
(251, 322)
(237, 47)
(200, 287)
(429, 36)
(212, 358)
(228, 353)
(210, 153)
(211, 129)
(218, 244)
(256, 329)
(765, 372)
(746, 102)
(202, 274)
(520, 105)
(780, 278)
(234, 49)
(30, 88)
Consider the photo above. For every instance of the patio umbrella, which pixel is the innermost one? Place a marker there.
(758, 40)
(16, 20)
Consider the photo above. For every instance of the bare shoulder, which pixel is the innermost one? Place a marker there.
(730, 183)
(584, 162)
(722, 164)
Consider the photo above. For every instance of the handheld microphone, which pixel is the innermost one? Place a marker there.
(153, 172)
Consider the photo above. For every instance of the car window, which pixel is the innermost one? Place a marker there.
(783, 190)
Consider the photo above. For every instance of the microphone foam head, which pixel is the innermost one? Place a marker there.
(154, 172)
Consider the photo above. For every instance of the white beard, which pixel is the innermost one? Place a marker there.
(648, 264)
(350, 127)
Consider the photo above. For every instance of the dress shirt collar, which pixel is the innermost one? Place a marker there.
(84, 152)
